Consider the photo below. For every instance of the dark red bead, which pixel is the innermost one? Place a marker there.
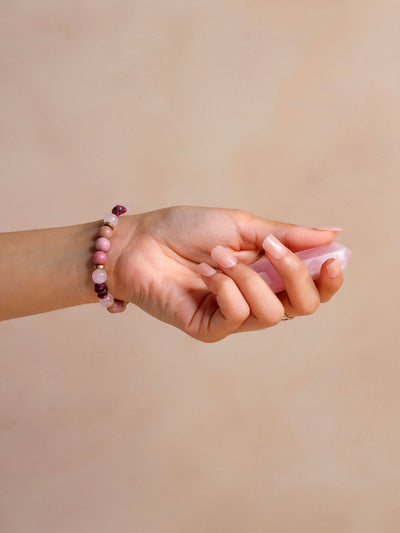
(118, 210)
(102, 294)
(103, 291)
(99, 286)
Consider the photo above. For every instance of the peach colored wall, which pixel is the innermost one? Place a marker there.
(289, 109)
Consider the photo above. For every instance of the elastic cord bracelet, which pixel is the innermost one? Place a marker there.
(99, 275)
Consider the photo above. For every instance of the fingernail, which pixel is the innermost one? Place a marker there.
(333, 269)
(328, 228)
(223, 256)
(274, 246)
(206, 270)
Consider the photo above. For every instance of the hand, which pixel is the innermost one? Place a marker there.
(157, 268)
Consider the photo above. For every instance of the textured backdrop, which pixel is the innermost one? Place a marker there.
(122, 423)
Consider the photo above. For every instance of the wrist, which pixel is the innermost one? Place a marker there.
(117, 284)
(47, 269)
(85, 238)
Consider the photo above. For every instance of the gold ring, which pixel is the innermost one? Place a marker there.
(287, 317)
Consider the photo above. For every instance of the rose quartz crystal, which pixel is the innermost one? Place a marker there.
(313, 258)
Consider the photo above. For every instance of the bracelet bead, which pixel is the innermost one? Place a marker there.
(112, 219)
(99, 258)
(107, 301)
(102, 244)
(100, 291)
(117, 307)
(102, 294)
(119, 210)
(99, 275)
(105, 231)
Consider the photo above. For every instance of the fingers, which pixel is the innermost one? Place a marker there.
(247, 303)
(241, 291)
(302, 294)
(253, 230)
(232, 309)
(330, 280)
(266, 310)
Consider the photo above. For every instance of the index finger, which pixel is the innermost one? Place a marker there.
(253, 230)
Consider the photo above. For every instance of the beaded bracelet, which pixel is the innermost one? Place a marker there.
(99, 275)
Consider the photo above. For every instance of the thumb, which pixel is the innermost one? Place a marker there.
(253, 230)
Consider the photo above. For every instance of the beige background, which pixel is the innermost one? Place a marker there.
(289, 109)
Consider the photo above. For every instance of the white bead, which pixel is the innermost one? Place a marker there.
(99, 275)
(107, 301)
(112, 219)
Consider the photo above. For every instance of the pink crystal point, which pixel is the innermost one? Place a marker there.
(313, 258)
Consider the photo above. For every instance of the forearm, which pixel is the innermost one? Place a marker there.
(46, 269)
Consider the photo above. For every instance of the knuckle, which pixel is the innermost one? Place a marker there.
(310, 306)
(242, 213)
(264, 322)
(209, 340)
(277, 317)
(206, 337)
(241, 217)
(239, 314)
(271, 317)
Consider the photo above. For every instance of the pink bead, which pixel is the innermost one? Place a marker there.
(107, 301)
(102, 244)
(99, 275)
(113, 219)
(105, 231)
(99, 258)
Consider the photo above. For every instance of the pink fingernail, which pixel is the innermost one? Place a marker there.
(223, 256)
(206, 270)
(328, 228)
(333, 269)
(274, 246)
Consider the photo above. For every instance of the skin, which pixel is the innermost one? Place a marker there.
(154, 263)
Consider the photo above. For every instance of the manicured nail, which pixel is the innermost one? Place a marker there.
(328, 228)
(333, 269)
(274, 246)
(223, 256)
(206, 270)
